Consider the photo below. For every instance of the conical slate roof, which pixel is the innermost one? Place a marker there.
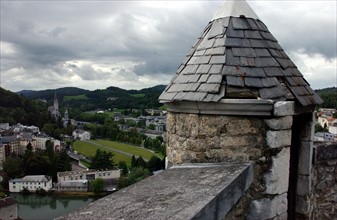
(236, 57)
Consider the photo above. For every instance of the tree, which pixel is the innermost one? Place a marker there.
(133, 161)
(97, 185)
(319, 128)
(155, 164)
(29, 147)
(13, 167)
(137, 174)
(102, 160)
(140, 162)
(49, 149)
(122, 165)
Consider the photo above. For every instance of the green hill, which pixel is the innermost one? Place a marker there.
(18, 109)
(109, 98)
(329, 95)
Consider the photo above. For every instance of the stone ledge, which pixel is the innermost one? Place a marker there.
(187, 191)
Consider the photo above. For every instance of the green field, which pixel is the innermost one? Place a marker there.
(75, 97)
(89, 150)
(146, 154)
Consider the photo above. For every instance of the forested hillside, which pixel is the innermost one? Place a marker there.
(329, 95)
(17, 109)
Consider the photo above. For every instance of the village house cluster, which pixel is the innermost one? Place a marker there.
(14, 140)
(329, 123)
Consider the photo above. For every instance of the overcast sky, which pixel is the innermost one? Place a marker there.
(139, 44)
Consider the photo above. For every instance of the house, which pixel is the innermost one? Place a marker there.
(324, 136)
(8, 208)
(79, 134)
(118, 116)
(87, 175)
(31, 183)
(76, 181)
(41, 140)
(333, 127)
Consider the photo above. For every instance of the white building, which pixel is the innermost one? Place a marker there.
(31, 183)
(324, 136)
(82, 135)
(88, 175)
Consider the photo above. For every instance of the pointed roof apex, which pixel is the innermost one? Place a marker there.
(235, 8)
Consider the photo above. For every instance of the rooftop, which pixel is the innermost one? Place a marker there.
(236, 57)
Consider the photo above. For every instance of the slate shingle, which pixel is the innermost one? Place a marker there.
(189, 69)
(262, 52)
(273, 71)
(214, 79)
(235, 81)
(216, 29)
(203, 78)
(203, 68)
(209, 88)
(254, 82)
(252, 34)
(256, 43)
(216, 51)
(216, 69)
(218, 59)
(272, 93)
(239, 23)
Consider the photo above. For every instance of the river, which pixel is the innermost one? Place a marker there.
(36, 207)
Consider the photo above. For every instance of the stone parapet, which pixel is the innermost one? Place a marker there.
(187, 191)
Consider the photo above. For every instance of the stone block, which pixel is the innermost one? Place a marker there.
(305, 158)
(277, 178)
(284, 216)
(268, 208)
(281, 123)
(284, 108)
(277, 139)
(303, 185)
(303, 205)
(307, 134)
(241, 127)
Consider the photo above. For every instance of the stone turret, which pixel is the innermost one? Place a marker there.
(237, 97)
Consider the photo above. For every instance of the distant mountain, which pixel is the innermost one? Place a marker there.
(49, 93)
(111, 97)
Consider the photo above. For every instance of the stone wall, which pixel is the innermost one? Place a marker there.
(195, 138)
(325, 182)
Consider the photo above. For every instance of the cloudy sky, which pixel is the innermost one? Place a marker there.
(139, 44)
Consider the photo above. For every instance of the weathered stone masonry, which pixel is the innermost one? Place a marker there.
(324, 182)
(217, 138)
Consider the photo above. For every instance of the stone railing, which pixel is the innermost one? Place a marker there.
(187, 191)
